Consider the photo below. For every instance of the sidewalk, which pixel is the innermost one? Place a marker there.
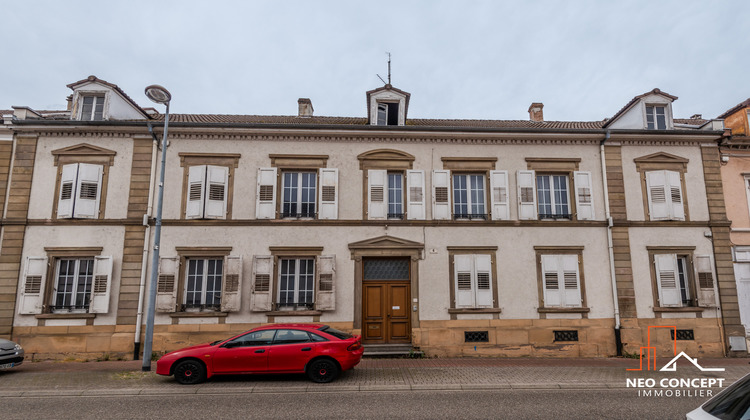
(126, 378)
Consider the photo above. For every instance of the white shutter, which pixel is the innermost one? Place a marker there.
(483, 273)
(526, 181)
(464, 277)
(262, 283)
(584, 195)
(34, 280)
(265, 207)
(67, 191)
(571, 281)
(441, 195)
(216, 191)
(499, 195)
(667, 279)
(704, 281)
(326, 295)
(377, 194)
(677, 206)
(88, 191)
(656, 188)
(166, 284)
(551, 281)
(231, 287)
(102, 284)
(196, 192)
(415, 195)
(328, 194)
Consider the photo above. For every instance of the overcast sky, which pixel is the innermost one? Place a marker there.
(459, 59)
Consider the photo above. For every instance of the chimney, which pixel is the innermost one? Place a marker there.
(305, 107)
(696, 117)
(69, 99)
(535, 112)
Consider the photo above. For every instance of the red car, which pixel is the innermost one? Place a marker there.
(317, 350)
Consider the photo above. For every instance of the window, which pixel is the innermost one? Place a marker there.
(298, 197)
(554, 188)
(80, 191)
(306, 187)
(682, 279)
(395, 195)
(208, 184)
(92, 108)
(473, 279)
(207, 192)
(73, 281)
(561, 280)
(80, 284)
(387, 113)
(656, 117)
(200, 279)
(553, 198)
(293, 279)
(469, 196)
(203, 284)
(665, 197)
(291, 337)
(253, 339)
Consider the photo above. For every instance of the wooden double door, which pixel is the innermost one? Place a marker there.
(386, 309)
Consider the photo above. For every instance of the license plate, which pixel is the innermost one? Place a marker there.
(6, 366)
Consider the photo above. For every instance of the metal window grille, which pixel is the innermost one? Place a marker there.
(464, 281)
(483, 281)
(706, 280)
(683, 335)
(262, 282)
(88, 190)
(476, 337)
(566, 335)
(165, 283)
(216, 192)
(100, 284)
(266, 193)
(67, 191)
(376, 194)
(33, 284)
(328, 193)
(195, 191)
(441, 194)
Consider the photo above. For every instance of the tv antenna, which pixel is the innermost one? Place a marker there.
(389, 71)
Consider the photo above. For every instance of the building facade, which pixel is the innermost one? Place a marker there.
(455, 237)
(735, 174)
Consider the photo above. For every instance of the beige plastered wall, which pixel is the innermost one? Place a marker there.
(736, 197)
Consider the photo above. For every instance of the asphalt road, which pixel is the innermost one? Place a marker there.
(496, 404)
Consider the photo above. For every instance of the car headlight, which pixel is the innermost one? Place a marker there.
(17, 347)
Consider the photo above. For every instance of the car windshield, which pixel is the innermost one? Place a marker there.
(733, 403)
(334, 332)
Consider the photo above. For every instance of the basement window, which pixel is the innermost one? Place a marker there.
(566, 335)
(684, 335)
(388, 113)
(476, 337)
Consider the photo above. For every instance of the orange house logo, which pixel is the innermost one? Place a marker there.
(671, 366)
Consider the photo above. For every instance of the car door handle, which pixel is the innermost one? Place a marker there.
(260, 351)
(307, 349)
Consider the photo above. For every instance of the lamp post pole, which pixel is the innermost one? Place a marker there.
(159, 95)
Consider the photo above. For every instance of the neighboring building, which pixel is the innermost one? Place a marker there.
(735, 176)
(458, 237)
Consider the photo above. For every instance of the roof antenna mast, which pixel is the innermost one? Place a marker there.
(389, 71)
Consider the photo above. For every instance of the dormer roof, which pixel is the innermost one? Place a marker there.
(636, 100)
(387, 94)
(84, 84)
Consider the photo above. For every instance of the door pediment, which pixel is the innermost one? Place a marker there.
(385, 242)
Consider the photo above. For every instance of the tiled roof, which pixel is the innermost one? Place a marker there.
(735, 108)
(691, 121)
(417, 122)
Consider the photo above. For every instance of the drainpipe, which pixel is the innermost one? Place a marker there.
(610, 246)
(146, 241)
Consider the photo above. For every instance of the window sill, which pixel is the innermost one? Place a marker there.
(66, 315)
(474, 310)
(294, 313)
(581, 310)
(679, 309)
(198, 314)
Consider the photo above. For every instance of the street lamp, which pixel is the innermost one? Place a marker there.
(158, 95)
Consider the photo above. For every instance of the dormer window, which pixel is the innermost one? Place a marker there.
(92, 108)
(656, 117)
(387, 113)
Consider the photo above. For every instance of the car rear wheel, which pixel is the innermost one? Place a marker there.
(322, 371)
(189, 372)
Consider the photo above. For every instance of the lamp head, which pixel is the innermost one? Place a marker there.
(158, 94)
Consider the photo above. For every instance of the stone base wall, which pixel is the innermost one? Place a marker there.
(507, 338)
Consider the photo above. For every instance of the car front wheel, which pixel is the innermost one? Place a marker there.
(322, 371)
(189, 372)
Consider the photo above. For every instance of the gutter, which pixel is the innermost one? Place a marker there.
(610, 246)
(146, 242)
